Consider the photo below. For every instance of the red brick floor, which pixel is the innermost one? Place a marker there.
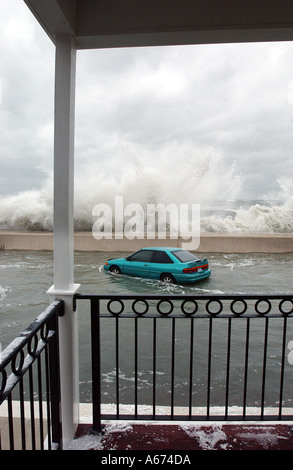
(185, 437)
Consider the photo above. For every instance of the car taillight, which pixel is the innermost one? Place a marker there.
(196, 268)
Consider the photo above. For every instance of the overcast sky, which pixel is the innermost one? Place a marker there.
(164, 113)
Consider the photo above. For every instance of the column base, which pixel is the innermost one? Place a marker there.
(69, 361)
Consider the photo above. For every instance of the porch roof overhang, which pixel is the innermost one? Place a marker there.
(132, 23)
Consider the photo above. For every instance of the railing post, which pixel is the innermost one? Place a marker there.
(96, 364)
(55, 389)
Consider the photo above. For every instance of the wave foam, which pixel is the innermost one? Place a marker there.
(193, 177)
(258, 218)
(3, 291)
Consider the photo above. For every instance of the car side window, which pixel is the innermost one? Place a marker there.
(143, 255)
(161, 257)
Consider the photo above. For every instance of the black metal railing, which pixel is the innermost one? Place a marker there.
(190, 357)
(30, 386)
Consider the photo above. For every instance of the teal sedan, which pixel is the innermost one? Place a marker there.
(166, 264)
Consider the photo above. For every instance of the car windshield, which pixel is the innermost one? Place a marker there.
(185, 256)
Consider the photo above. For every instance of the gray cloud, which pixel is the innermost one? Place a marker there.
(143, 105)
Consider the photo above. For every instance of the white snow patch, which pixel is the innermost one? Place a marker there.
(207, 438)
(89, 442)
(265, 436)
(95, 441)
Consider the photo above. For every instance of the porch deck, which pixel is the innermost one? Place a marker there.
(124, 436)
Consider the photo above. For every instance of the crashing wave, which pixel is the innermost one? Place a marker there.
(259, 218)
(192, 178)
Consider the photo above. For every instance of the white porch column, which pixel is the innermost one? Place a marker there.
(64, 287)
(64, 162)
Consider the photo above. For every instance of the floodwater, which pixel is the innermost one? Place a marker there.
(26, 276)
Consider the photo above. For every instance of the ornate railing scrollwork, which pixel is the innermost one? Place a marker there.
(234, 305)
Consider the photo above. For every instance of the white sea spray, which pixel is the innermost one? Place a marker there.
(258, 218)
(181, 175)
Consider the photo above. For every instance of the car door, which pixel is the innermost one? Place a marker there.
(161, 263)
(139, 263)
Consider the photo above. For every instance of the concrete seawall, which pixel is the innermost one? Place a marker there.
(209, 242)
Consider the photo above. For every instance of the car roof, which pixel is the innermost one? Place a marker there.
(161, 248)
